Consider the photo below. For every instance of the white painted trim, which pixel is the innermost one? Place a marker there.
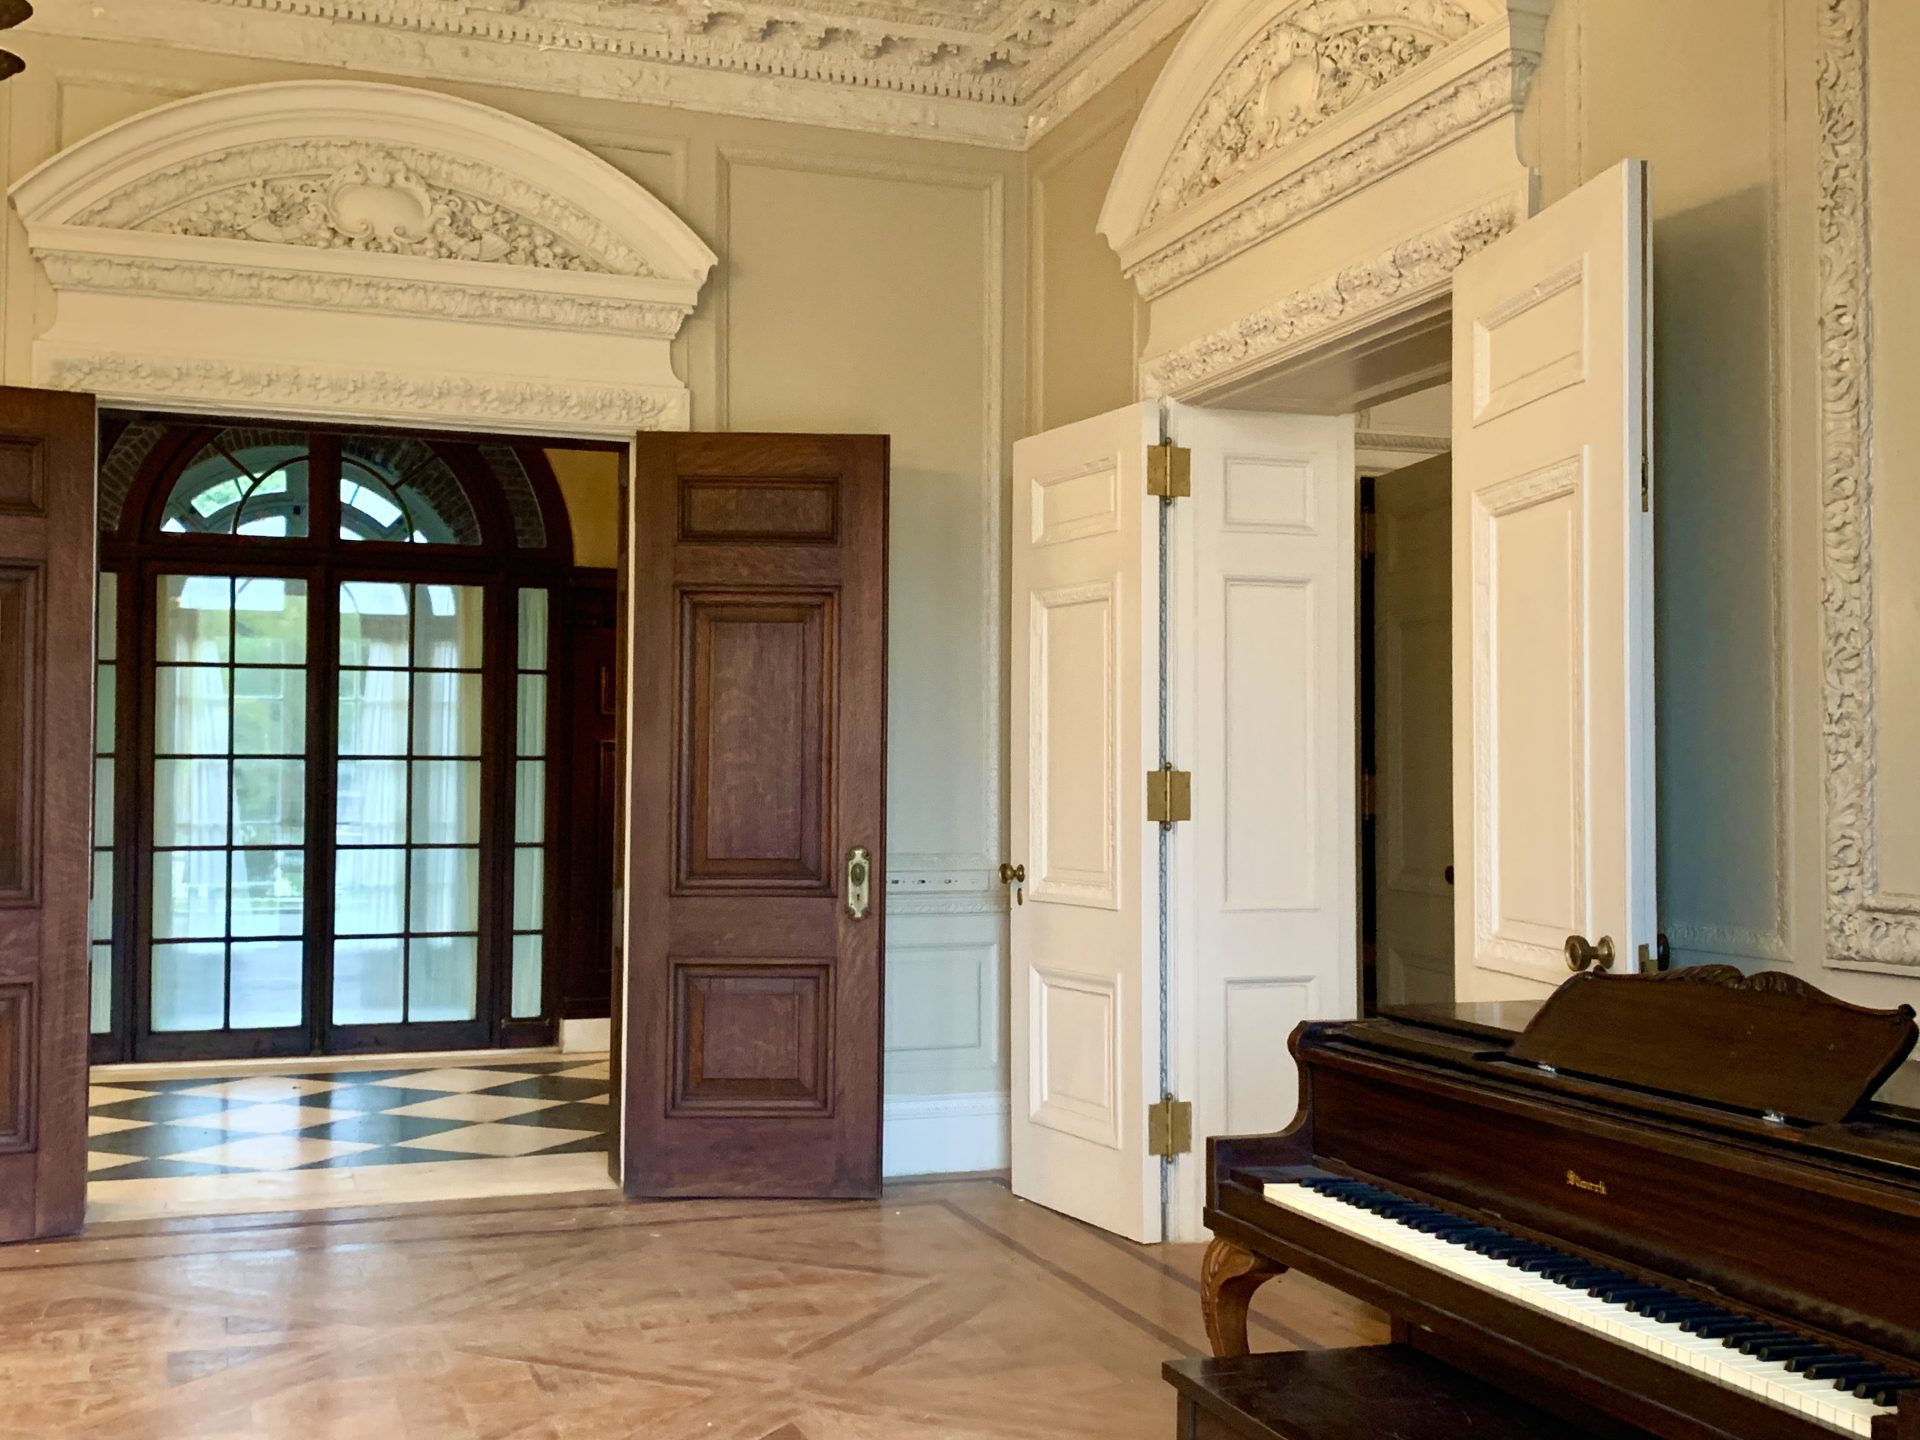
(944, 1134)
(250, 249)
(586, 1036)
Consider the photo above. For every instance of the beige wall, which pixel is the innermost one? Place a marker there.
(1724, 109)
(1083, 347)
(864, 284)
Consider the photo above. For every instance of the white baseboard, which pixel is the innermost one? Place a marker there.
(593, 1036)
(944, 1134)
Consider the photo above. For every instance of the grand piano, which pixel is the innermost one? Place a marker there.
(1683, 1205)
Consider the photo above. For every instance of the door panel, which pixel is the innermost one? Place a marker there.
(1085, 952)
(758, 737)
(1553, 593)
(592, 777)
(1413, 735)
(46, 775)
(1262, 704)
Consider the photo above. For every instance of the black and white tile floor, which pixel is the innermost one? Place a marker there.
(292, 1120)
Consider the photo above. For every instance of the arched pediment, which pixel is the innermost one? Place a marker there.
(348, 198)
(1271, 110)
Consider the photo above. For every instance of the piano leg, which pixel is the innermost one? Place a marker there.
(1228, 1277)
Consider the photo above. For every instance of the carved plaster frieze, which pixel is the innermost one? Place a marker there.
(272, 387)
(1307, 65)
(1418, 266)
(214, 279)
(1410, 135)
(351, 194)
(1865, 928)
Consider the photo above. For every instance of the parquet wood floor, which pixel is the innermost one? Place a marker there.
(948, 1310)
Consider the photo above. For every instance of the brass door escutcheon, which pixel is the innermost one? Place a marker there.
(859, 882)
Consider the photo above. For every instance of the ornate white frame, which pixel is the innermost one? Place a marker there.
(336, 249)
(1271, 113)
(1866, 928)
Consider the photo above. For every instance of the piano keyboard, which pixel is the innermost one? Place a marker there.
(1782, 1367)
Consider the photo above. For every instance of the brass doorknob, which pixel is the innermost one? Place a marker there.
(1582, 954)
(1016, 876)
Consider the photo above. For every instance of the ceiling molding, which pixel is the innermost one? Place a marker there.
(934, 69)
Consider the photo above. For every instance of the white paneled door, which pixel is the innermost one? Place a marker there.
(1262, 695)
(1085, 954)
(1553, 595)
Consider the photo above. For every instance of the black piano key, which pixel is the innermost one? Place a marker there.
(1843, 1370)
(1887, 1392)
(1781, 1350)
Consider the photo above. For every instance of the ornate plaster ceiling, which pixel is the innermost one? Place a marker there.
(968, 70)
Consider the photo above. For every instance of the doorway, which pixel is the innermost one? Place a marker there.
(327, 681)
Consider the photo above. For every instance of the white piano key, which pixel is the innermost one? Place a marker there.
(1771, 1381)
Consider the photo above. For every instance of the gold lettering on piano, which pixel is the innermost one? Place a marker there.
(1596, 1187)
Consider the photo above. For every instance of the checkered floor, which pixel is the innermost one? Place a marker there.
(312, 1120)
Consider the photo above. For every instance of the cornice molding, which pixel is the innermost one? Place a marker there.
(268, 388)
(924, 68)
(1415, 269)
(1866, 929)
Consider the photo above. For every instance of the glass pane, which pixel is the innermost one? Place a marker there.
(196, 612)
(100, 902)
(446, 714)
(107, 617)
(373, 712)
(231, 486)
(277, 504)
(270, 621)
(446, 891)
(530, 731)
(530, 802)
(533, 629)
(189, 894)
(369, 896)
(190, 710)
(442, 985)
(373, 623)
(103, 802)
(446, 802)
(525, 1001)
(269, 892)
(269, 712)
(101, 1009)
(372, 802)
(189, 802)
(267, 980)
(189, 987)
(447, 626)
(367, 981)
(269, 802)
(369, 507)
(529, 887)
(105, 700)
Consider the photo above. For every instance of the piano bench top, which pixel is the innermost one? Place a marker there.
(1369, 1392)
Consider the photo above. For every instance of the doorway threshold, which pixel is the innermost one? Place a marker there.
(246, 1138)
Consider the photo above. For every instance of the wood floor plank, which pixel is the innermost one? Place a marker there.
(948, 1310)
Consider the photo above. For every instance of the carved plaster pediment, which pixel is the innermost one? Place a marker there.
(1271, 110)
(274, 210)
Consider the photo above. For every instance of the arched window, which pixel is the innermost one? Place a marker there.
(323, 691)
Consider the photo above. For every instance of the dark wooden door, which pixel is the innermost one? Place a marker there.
(758, 734)
(583, 969)
(46, 778)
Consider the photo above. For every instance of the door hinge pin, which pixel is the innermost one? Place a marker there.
(1169, 471)
(1169, 796)
(1169, 1127)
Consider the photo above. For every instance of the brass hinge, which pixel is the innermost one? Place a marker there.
(1169, 795)
(1169, 1127)
(1646, 482)
(1169, 471)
